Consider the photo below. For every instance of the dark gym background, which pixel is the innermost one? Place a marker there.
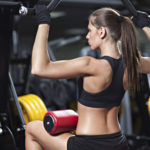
(67, 34)
(66, 41)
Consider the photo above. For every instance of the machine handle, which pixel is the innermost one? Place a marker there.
(31, 11)
(130, 7)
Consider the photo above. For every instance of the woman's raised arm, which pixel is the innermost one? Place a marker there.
(42, 65)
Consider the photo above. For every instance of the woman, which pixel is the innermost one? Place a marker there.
(104, 82)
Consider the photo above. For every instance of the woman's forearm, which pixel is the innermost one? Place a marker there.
(40, 57)
(147, 32)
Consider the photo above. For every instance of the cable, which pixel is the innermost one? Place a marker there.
(12, 136)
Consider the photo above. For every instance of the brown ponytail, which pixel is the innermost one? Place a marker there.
(121, 29)
(130, 53)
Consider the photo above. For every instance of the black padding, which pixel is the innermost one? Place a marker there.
(48, 123)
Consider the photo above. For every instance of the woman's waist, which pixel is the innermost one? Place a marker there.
(96, 127)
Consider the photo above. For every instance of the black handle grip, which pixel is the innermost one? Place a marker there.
(130, 7)
(51, 6)
(31, 11)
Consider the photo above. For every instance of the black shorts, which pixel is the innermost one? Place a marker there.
(115, 141)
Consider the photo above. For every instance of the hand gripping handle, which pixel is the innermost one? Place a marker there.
(31, 11)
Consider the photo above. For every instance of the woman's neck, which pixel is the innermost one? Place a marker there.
(110, 49)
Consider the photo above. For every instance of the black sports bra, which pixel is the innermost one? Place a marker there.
(112, 95)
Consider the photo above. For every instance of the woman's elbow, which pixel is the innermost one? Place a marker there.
(35, 72)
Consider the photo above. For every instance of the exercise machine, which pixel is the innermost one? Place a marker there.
(9, 132)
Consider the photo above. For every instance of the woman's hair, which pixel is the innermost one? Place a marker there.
(121, 29)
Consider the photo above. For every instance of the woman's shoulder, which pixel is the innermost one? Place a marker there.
(97, 66)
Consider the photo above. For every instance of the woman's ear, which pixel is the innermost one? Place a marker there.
(102, 32)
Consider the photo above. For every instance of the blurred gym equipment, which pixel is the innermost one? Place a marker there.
(11, 131)
(12, 126)
(141, 99)
(60, 121)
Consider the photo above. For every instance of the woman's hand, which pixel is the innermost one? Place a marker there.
(42, 14)
(141, 20)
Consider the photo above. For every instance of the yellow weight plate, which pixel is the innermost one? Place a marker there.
(149, 106)
(35, 112)
(26, 118)
(24, 113)
(33, 107)
(26, 109)
(41, 104)
(40, 101)
(38, 109)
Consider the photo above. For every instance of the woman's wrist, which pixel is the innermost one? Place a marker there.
(146, 29)
(44, 25)
(44, 28)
